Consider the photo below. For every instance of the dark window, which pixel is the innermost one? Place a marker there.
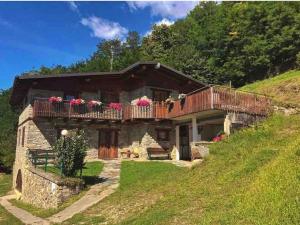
(19, 138)
(163, 134)
(23, 136)
(109, 96)
(160, 95)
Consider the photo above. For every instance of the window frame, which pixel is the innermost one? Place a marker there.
(23, 136)
(168, 92)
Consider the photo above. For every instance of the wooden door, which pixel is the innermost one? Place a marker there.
(108, 144)
(184, 143)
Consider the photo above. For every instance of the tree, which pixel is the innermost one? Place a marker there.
(8, 128)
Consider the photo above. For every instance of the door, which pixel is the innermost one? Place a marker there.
(184, 143)
(108, 144)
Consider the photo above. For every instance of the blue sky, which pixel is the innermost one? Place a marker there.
(33, 34)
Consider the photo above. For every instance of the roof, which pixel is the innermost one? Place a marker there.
(22, 83)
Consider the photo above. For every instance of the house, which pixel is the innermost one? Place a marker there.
(182, 111)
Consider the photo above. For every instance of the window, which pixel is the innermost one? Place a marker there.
(23, 136)
(19, 137)
(163, 134)
(160, 95)
(109, 96)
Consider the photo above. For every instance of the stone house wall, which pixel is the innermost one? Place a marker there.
(138, 137)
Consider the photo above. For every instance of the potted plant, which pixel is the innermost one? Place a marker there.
(143, 102)
(78, 105)
(95, 105)
(55, 102)
(115, 106)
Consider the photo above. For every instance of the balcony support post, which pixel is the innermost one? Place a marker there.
(194, 129)
(177, 142)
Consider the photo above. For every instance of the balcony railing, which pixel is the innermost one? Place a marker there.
(210, 98)
(157, 110)
(44, 108)
(220, 98)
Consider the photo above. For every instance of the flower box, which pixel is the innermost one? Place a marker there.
(115, 106)
(95, 106)
(78, 105)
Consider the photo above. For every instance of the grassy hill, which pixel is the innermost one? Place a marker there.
(284, 88)
(251, 178)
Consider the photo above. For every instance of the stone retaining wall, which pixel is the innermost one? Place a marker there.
(44, 189)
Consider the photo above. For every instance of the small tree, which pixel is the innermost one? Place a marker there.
(70, 153)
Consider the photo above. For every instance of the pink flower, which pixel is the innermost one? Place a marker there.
(115, 106)
(143, 102)
(217, 139)
(94, 103)
(78, 101)
(54, 99)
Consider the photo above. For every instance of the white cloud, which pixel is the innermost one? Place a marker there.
(175, 10)
(73, 6)
(104, 29)
(164, 21)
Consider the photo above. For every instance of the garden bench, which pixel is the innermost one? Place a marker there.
(158, 152)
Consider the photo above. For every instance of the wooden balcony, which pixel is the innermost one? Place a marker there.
(220, 98)
(210, 98)
(157, 110)
(44, 108)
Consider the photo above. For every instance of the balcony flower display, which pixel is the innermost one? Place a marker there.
(78, 105)
(54, 99)
(116, 106)
(95, 105)
(78, 101)
(144, 101)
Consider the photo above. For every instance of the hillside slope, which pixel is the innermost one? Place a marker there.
(284, 88)
(251, 178)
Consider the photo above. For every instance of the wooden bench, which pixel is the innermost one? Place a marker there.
(158, 152)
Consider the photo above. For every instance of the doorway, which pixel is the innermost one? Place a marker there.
(108, 144)
(19, 181)
(184, 143)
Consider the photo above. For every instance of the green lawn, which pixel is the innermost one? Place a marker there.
(5, 186)
(283, 88)
(251, 178)
(90, 174)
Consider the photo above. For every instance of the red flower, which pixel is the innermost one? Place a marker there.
(217, 139)
(115, 106)
(143, 102)
(78, 101)
(54, 99)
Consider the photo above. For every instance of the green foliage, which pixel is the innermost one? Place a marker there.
(250, 178)
(216, 43)
(71, 151)
(8, 127)
(221, 42)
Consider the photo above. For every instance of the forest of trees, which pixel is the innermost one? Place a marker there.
(237, 42)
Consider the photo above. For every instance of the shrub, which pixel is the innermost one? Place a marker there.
(70, 153)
